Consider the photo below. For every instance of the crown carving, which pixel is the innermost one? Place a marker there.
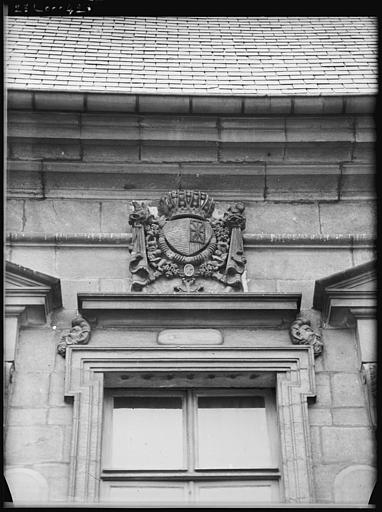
(185, 203)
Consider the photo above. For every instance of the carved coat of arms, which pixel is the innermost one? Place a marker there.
(184, 241)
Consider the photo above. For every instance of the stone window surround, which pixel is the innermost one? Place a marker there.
(293, 368)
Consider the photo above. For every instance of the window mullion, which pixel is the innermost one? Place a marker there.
(190, 430)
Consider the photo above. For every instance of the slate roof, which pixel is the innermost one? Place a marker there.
(194, 55)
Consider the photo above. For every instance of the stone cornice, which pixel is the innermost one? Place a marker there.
(303, 240)
(184, 104)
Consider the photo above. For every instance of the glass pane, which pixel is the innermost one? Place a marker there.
(235, 493)
(151, 492)
(147, 433)
(232, 432)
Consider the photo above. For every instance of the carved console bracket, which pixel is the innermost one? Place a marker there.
(302, 332)
(185, 242)
(79, 335)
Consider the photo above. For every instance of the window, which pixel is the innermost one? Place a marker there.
(191, 445)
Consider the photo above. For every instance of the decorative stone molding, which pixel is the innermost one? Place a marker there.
(185, 242)
(79, 335)
(302, 333)
(89, 370)
(48, 8)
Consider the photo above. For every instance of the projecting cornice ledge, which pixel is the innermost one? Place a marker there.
(347, 295)
(144, 310)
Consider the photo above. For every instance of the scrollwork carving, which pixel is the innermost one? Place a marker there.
(79, 335)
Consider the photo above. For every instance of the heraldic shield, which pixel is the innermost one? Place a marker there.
(186, 242)
(187, 236)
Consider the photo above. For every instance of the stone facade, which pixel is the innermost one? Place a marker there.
(304, 172)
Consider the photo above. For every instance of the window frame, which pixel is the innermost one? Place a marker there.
(88, 368)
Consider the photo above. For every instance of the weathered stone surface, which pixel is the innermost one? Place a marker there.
(269, 217)
(62, 216)
(347, 390)
(36, 350)
(253, 129)
(353, 444)
(14, 216)
(96, 151)
(348, 217)
(115, 216)
(253, 152)
(26, 416)
(303, 286)
(319, 416)
(46, 150)
(60, 415)
(350, 416)
(355, 484)
(319, 129)
(318, 105)
(172, 104)
(315, 438)
(33, 444)
(179, 129)
(19, 100)
(290, 264)
(57, 476)
(324, 475)
(93, 262)
(318, 151)
(30, 389)
(365, 129)
(323, 397)
(111, 102)
(114, 285)
(159, 152)
(267, 105)
(358, 181)
(44, 125)
(216, 105)
(57, 388)
(364, 152)
(340, 350)
(261, 285)
(70, 288)
(116, 126)
(59, 101)
(364, 255)
(360, 105)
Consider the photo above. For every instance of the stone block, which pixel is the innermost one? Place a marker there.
(57, 387)
(267, 105)
(160, 152)
(116, 126)
(355, 416)
(60, 415)
(19, 100)
(324, 396)
(364, 152)
(324, 475)
(314, 105)
(26, 416)
(315, 439)
(360, 105)
(306, 288)
(42, 259)
(290, 264)
(261, 285)
(35, 350)
(25, 184)
(252, 129)
(319, 416)
(319, 129)
(33, 444)
(43, 125)
(348, 444)
(364, 255)
(70, 288)
(230, 152)
(30, 389)
(179, 129)
(107, 102)
(223, 105)
(53, 150)
(114, 285)
(355, 484)
(358, 181)
(14, 215)
(164, 104)
(63, 216)
(92, 262)
(115, 216)
(57, 476)
(318, 152)
(348, 217)
(27, 487)
(59, 101)
(347, 390)
(302, 182)
(96, 151)
(340, 353)
(365, 129)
